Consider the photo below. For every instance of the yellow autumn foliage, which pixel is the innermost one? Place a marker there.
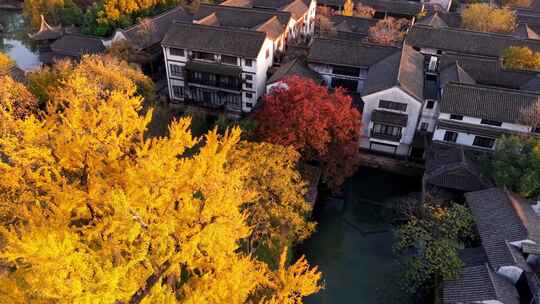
(279, 212)
(483, 17)
(5, 63)
(91, 210)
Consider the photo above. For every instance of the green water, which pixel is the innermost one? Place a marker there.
(353, 247)
(15, 42)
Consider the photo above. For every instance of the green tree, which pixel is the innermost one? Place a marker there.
(516, 165)
(434, 232)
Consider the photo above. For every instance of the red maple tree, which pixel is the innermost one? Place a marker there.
(323, 126)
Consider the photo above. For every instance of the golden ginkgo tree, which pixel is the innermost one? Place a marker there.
(93, 212)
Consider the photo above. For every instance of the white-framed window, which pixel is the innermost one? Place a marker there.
(178, 91)
(176, 70)
(177, 52)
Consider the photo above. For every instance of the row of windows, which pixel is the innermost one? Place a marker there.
(479, 141)
(178, 92)
(382, 129)
(226, 59)
(392, 105)
(489, 122)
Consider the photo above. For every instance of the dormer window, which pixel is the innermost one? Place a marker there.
(203, 56)
(229, 60)
(176, 52)
(491, 122)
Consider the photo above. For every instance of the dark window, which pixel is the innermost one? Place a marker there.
(342, 70)
(347, 84)
(176, 70)
(249, 77)
(176, 52)
(267, 53)
(537, 129)
(203, 56)
(430, 104)
(424, 126)
(248, 62)
(249, 95)
(386, 130)
(178, 91)
(197, 75)
(450, 136)
(249, 104)
(229, 59)
(491, 122)
(392, 105)
(456, 117)
(249, 85)
(485, 142)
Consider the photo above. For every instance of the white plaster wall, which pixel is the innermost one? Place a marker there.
(371, 102)
(261, 66)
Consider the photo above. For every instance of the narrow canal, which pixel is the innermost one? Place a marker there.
(14, 40)
(353, 246)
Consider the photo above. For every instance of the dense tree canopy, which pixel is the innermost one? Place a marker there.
(521, 58)
(106, 71)
(99, 18)
(64, 12)
(434, 232)
(278, 213)
(322, 125)
(516, 165)
(486, 18)
(93, 212)
(16, 99)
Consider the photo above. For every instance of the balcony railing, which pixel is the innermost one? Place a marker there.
(384, 136)
(208, 81)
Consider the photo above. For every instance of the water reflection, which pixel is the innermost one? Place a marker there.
(353, 247)
(15, 42)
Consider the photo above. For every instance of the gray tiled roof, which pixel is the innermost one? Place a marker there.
(455, 73)
(294, 67)
(487, 71)
(502, 218)
(74, 45)
(487, 102)
(451, 167)
(240, 17)
(14, 72)
(441, 19)
(479, 283)
(388, 117)
(244, 43)
(353, 24)
(347, 53)
(473, 256)
(46, 32)
(158, 27)
(459, 126)
(465, 41)
(525, 31)
(404, 69)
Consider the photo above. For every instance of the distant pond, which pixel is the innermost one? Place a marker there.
(353, 247)
(15, 42)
